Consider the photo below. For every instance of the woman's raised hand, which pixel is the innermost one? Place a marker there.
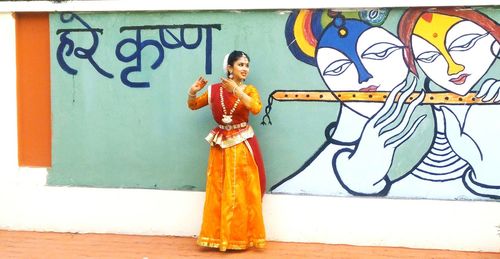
(198, 85)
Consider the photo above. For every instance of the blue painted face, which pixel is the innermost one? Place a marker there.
(343, 35)
(354, 56)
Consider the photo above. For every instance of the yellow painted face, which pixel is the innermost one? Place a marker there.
(433, 28)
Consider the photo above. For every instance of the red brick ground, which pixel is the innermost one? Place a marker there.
(18, 244)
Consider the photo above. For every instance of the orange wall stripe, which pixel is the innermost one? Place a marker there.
(33, 89)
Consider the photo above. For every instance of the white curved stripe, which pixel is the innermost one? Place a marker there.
(436, 157)
(442, 168)
(441, 152)
(440, 177)
(449, 163)
(441, 163)
(440, 139)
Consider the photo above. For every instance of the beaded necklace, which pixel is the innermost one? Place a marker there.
(227, 118)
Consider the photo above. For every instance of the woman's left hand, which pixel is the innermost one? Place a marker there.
(228, 84)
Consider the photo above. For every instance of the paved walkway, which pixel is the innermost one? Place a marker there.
(33, 245)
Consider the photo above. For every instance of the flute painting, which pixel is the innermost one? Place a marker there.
(376, 97)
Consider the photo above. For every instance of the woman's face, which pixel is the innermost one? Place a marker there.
(240, 69)
(381, 55)
(454, 53)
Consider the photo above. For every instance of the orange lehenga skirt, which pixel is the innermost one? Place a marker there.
(232, 216)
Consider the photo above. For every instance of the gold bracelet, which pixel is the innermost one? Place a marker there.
(190, 94)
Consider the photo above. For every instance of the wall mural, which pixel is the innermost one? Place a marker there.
(455, 50)
(390, 102)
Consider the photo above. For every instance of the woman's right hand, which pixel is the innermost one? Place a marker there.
(198, 85)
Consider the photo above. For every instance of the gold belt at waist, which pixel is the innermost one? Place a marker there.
(233, 126)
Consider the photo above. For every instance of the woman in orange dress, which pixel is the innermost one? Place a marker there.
(232, 217)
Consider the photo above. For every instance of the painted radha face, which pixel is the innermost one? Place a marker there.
(240, 69)
(466, 56)
(381, 55)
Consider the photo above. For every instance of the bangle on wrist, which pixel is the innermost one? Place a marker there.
(191, 94)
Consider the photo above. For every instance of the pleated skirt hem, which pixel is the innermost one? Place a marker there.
(231, 245)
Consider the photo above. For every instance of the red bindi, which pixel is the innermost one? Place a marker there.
(427, 17)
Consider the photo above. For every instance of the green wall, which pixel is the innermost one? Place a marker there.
(106, 134)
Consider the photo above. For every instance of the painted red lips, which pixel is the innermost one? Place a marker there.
(370, 88)
(460, 80)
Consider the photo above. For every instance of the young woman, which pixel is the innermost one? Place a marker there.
(232, 218)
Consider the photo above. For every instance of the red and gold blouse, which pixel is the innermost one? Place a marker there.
(226, 104)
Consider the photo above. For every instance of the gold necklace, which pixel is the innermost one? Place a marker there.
(227, 118)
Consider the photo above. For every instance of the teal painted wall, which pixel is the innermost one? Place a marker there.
(108, 133)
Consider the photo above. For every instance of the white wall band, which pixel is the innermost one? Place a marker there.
(154, 5)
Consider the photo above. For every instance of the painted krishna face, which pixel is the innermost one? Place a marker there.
(453, 52)
(371, 60)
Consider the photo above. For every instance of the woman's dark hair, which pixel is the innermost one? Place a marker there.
(235, 55)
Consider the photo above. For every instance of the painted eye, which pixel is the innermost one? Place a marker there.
(380, 51)
(466, 42)
(428, 57)
(336, 68)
